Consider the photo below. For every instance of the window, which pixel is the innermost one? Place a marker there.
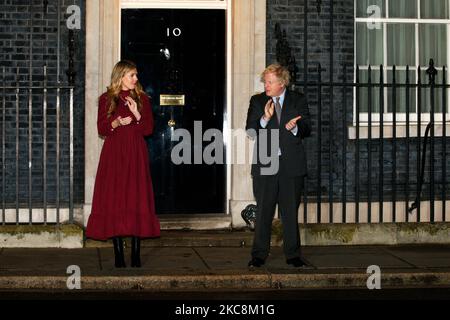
(401, 33)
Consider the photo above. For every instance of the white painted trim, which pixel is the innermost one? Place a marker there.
(195, 221)
(419, 13)
(398, 68)
(403, 20)
(400, 210)
(38, 215)
(388, 118)
(119, 47)
(174, 4)
(170, 221)
(388, 130)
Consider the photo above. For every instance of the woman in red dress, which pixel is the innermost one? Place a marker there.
(123, 202)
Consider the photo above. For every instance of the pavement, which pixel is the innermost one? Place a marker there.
(201, 261)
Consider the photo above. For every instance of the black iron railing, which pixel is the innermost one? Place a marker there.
(17, 100)
(382, 167)
(39, 110)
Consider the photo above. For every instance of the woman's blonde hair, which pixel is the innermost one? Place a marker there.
(119, 71)
(279, 71)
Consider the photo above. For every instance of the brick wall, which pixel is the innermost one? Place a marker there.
(27, 29)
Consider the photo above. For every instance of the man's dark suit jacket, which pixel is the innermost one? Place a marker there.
(293, 153)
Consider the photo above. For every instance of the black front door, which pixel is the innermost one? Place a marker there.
(180, 55)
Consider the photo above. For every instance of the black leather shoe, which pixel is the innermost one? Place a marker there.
(296, 262)
(256, 262)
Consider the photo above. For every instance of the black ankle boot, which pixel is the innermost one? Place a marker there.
(135, 252)
(118, 253)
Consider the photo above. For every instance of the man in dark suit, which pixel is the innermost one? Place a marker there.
(278, 117)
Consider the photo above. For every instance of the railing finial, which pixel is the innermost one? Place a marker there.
(431, 71)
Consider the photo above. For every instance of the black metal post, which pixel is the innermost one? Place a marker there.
(3, 147)
(17, 145)
(71, 73)
(381, 153)
(45, 144)
(431, 71)
(58, 49)
(305, 45)
(394, 144)
(357, 146)
(305, 90)
(444, 135)
(319, 145)
(30, 118)
(419, 133)
(408, 141)
(344, 149)
(369, 149)
(331, 133)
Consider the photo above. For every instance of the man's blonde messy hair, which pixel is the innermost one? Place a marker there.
(279, 71)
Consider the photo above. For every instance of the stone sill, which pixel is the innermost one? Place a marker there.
(375, 234)
(68, 236)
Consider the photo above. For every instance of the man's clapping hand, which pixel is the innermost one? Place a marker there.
(269, 109)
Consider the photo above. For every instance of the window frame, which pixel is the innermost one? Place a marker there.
(400, 118)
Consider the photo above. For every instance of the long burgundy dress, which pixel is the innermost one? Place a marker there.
(123, 202)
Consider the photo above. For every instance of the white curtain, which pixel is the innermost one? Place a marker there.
(370, 44)
(433, 44)
(434, 9)
(403, 9)
(362, 5)
(401, 45)
(400, 77)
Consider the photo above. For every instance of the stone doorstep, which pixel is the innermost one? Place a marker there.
(298, 280)
(189, 239)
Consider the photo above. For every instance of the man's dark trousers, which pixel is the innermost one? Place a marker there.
(270, 190)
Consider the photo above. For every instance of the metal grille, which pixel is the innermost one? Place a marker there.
(25, 208)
